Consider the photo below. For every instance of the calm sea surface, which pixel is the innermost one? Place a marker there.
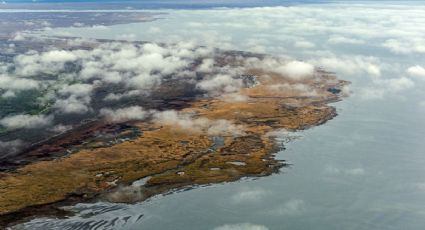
(365, 169)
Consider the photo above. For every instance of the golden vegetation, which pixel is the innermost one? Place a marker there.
(175, 157)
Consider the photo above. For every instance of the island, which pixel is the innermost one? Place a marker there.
(192, 132)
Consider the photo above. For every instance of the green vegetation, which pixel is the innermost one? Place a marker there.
(24, 102)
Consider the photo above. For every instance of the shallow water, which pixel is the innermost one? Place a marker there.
(362, 170)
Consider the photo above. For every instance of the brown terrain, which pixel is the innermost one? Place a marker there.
(170, 156)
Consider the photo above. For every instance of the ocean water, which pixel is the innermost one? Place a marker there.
(362, 170)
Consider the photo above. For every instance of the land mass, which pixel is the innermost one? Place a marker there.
(101, 159)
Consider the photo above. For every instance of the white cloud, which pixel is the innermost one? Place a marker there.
(249, 195)
(399, 84)
(371, 93)
(219, 84)
(393, 28)
(154, 30)
(126, 37)
(234, 97)
(18, 37)
(405, 45)
(78, 24)
(304, 44)
(73, 75)
(296, 70)
(25, 121)
(144, 81)
(241, 226)
(8, 94)
(291, 207)
(338, 39)
(61, 128)
(416, 71)
(10, 147)
(350, 65)
(198, 124)
(77, 90)
(119, 96)
(373, 70)
(99, 27)
(124, 114)
(296, 88)
(17, 83)
(73, 105)
(142, 67)
(206, 65)
(55, 56)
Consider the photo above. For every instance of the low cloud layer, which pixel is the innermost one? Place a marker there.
(249, 195)
(124, 114)
(358, 41)
(296, 70)
(65, 81)
(25, 121)
(120, 81)
(241, 226)
(198, 124)
(73, 80)
(417, 71)
(293, 207)
(11, 147)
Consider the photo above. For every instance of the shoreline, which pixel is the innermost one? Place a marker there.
(83, 167)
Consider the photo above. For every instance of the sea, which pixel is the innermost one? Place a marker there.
(364, 169)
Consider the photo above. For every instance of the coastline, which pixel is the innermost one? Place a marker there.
(171, 156)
